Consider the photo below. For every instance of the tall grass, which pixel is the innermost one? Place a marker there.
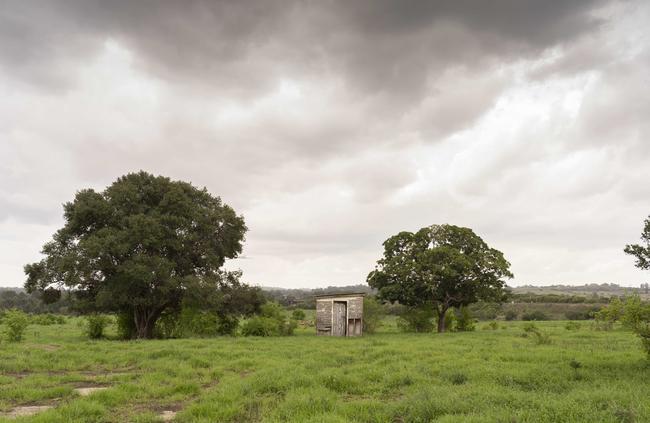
(483, 376)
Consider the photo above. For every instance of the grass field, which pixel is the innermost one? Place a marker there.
(483, 376)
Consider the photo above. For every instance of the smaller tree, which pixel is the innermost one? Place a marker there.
(16, 322)
(440, 266)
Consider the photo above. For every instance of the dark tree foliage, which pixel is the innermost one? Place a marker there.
(641, 252)
(140, 247)
(441, 266)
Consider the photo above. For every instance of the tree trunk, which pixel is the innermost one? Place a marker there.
(441, 318)
(145, 321)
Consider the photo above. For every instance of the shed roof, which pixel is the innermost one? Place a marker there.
(341, 294)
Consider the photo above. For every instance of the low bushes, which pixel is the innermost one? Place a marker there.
(95, 325)
(271, 322)
(47, 319)
(16, 322)
(373, 314)
(416, 320)
(534, 315)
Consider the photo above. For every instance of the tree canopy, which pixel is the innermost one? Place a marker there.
(641, 251)
(140, 247)
(442, 266)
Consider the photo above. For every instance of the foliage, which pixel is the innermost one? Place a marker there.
(298, 314)
(539, 337)
(373, 315)
(511, 315)
(493, 325)
(440, 266)
(416, 319)
(139, 247)
(95, 325)
(641, 251)
(633, 313)
(464, 320)
(572, 325)
(271, 322)
(534, 315)
(580, 315)
(35, 302)
(47, 319)
(16, 322)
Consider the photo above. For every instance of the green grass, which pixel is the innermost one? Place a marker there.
(483, 376)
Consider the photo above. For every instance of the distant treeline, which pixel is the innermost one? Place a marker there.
(589, 288)
(560, 298)
(32, 303)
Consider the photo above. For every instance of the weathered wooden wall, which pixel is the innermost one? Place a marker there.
(355, 308)
(323, 317)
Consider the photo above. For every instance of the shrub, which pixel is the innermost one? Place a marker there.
(227, 325)
(493, 325)
(271, 322)
(538, 336)
(578, 315)
(575, 365)
(298, 315)
(125, 326)
(95, 325)
(464, 320)
(530, 327)
(47, 319)
(572, 325)
(511, 315)
(16, 322)
(373, 314)
(458, 378)
(416, 320)
(260, 326)
(534, 315)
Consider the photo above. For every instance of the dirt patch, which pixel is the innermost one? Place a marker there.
(167, 415)
(49, 347)
(25, 410)
(84, 391)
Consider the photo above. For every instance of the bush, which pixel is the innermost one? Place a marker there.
(298, 315)
(538, 336)
(493, 325)
(534, 315)
(373, 314)
(416, 320)
(578, 315)
(47, 319)
(16, 322)
(95, 325)
(511, 315)
(464, 320)
(125, 326)
(271, 322)
(572, 325)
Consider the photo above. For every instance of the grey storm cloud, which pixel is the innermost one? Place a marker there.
(331, 125)
(240, 47)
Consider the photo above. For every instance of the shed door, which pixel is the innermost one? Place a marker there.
(339, 323)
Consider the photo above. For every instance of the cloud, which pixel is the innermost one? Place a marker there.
(333, 125)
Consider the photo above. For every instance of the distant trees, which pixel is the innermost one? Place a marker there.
(440, 266)
(142, 247)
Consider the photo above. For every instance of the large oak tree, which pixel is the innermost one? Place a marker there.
(440, 266)
(141, 246)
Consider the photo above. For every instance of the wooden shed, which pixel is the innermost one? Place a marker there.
(339, 314)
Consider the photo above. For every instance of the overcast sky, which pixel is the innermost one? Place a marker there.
(332, 125)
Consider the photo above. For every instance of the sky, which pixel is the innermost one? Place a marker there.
(332, 125)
